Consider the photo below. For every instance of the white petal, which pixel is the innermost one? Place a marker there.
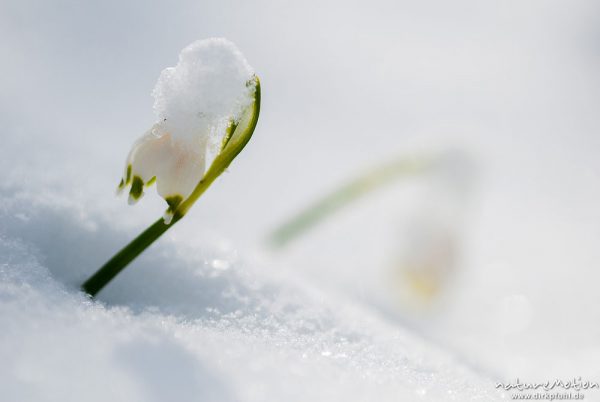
(180, 170)
(176, 165)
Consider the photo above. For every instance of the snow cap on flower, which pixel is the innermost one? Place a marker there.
(197, 103)
(205, 89)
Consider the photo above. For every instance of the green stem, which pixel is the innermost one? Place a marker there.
(116, 264)
(336, 200)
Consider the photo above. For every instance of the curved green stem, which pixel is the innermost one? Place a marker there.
(233, 147)
(237, 140)
(336, 200)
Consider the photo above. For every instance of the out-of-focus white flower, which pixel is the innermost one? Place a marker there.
(202, 103)
(426, 261)
(428, 255)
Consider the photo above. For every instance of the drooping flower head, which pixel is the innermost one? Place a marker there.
(201, 104)
(207, 108)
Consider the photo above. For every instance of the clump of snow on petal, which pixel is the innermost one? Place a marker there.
(207, 87)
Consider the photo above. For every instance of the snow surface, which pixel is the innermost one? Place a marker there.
(191, 322)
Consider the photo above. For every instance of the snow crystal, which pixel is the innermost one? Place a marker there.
(208, 86)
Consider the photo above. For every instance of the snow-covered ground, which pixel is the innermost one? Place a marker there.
(209, 312)
(193, 322)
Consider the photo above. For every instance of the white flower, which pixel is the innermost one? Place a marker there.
(202, 105)
(428, 254)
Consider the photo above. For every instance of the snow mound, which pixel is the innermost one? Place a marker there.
(192, 322)
(210, 84)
